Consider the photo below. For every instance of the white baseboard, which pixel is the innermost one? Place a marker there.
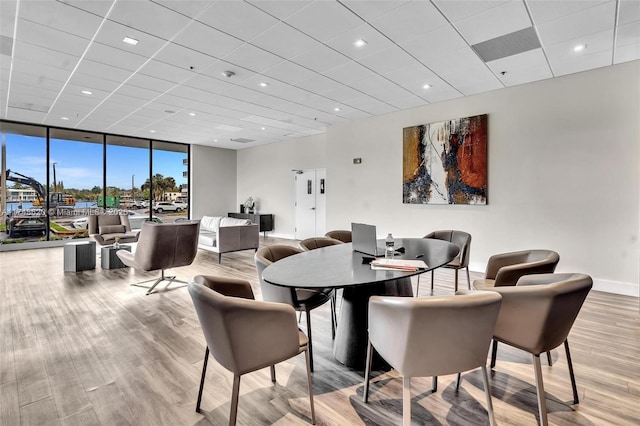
(616, 287)
(278, 235)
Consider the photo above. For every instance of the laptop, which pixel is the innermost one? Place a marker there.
(363, 239)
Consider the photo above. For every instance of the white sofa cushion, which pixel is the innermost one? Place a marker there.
(207, 238)
(210, 223)
(232, 221)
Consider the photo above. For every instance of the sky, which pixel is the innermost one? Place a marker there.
(79, 164)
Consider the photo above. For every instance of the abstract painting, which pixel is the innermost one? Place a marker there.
(446, 162)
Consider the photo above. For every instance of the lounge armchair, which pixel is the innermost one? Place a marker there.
(105, 228)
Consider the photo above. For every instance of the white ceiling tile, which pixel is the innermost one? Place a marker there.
(497, 21)
(409, 21)
(165, 72)
(191, 8)
(51, 39)
(253, 58)
(238, 19)
(36, 82)
(320, 58)
(473, 80)
(580, 24)
(207, 40)
(61, 17)
(389, 60)
(284, 41)
(455, 61)
(138, 92)
(289, 72)
(545, 11)
(409, 101)
(101, 70)
(158, 20)
(582, 63)
(26, 115)
(628, 34)
(434, 44)
(89, 81)
(148, 82)
(185, 58)
(207, 84)
(7, 17)
(349, 72)
(318, 84)
(44, 56)
(323, 20)
(343, 94)
(280, 9)
(629, 11)
(563, 52)
(630, 52)
(371, 9)
(521, 68)
(461, 9)
(115, 57)
(112, 34)
(440, 91)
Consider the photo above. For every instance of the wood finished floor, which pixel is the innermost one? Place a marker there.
(88, 349)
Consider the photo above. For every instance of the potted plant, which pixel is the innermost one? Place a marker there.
(249, 205)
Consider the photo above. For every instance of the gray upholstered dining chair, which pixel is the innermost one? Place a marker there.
(506, 268)
(461, 261)
(536, 316)
(105, 228)
(243, 334)
(318, 242)
(302, 300)
(340, 234)
(163, 246)
(456, 339)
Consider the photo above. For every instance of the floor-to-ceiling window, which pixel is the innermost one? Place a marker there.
(52, 179)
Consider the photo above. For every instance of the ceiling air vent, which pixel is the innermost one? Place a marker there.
(242, 140)
(507, 45)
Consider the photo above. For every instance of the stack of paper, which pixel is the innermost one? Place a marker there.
(398, 264)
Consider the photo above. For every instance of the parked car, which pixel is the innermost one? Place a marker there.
(26, 225)
(83, 221)
(167, 206)
(181, 204)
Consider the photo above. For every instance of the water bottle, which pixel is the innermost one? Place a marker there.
(389, 247)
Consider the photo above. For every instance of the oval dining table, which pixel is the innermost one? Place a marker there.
(339, 266)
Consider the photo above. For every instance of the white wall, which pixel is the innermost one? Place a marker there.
(264, 172)
(213, 181)
(563, 174)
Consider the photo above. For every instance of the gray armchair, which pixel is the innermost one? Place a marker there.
(105, 228)
(536, 316)
(506, 268)
(431, 336)
(243, 334)
(461, 261)
(340, 234)
(162, 246)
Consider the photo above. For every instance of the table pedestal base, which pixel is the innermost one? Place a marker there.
(350, 346)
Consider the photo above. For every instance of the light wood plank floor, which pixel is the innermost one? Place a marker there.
(88, 349)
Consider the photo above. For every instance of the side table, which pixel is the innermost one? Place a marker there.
(109, 259)
(79, 256)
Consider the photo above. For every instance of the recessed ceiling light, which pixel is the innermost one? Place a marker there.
(193, 114)
(360, 43)
(263, 84)
(579, 47)
(87, 92)
(131, 41)
(262, 128)
(336, 109)
(152, 131)
(64, 118)
(215, 140)
(426, 86)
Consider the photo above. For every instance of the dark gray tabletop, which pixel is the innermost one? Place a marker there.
(339, 266)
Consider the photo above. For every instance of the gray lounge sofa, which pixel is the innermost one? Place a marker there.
(227, 234)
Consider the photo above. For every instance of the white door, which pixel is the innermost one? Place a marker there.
(310, 204)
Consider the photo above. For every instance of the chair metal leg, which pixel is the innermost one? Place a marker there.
(468, 279)
(219, 258)
(487, 392)
(273, 373)
(455, 287)
(458, 380)
(494, 352)
(233, 415)
(542, 404)
(333, 316)
(418, 287)
(549, 361)
(406, 401)
(310, 345)
(204, 373)
(432, 275)
(434, 384)
(169, 279)
(573, 377)
(313, 410)
(367, 372)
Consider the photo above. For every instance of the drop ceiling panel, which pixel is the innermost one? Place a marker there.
(349, 72)
(344, 43)
(628, 34)
(432, 45)
(148, 82)
(289, 72)
(503, 19)
(138, 92)
(318, 84)
(461, 9)
(582, 63)
(203, 83)
(184, 58)
(100, 70)
(320, 58)
(166, 72)
(440, 91)
(280, 9)
(52, 39)
(483, 80)
(41, 55)
(285, 41)
(238, 19)
(113, 33)
(92, 83)
(207, 40)
(61, 17)
(7, 17)
(252, 58)
(323, 20)
(186, 7)
(629, 11)
(563, 52)
(542, 11)
(36, 82)
(158, 20)
(411, 21)
(115, 57)
(371, 9)
(580, 24)
(389, 60)
(521, 68)
(627, 53)
(26, 115)
(456, 61)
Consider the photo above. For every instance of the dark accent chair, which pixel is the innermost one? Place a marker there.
(105, 228)
(243, 334)
(302, 300)
(162, 246)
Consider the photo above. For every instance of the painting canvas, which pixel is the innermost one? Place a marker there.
(446, 162)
